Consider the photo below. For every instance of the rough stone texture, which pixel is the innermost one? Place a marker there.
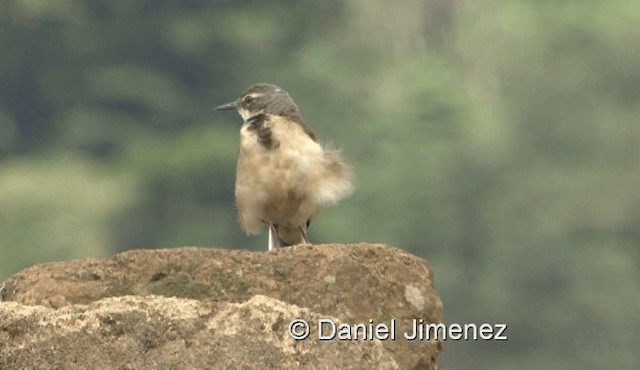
(155, 332)
(199, 308)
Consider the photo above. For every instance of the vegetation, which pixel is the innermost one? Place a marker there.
(499, 140)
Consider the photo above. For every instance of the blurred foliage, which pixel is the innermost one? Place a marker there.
(497, 139)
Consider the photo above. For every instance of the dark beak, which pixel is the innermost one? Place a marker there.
(227, 106)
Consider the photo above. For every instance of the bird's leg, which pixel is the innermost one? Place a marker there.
(273, 238)
(303, 231)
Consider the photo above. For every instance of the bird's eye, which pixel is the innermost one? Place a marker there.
(248, 99)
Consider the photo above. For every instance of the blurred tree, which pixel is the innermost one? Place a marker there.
(498, 139)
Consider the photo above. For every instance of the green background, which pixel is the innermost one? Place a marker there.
(498, 139)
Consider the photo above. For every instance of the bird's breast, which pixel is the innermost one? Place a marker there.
(287, 181)
(288, 151)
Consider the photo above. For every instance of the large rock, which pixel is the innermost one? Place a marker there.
(154, 332)
(198, 308)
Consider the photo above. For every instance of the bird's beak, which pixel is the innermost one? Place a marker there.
(227, 106)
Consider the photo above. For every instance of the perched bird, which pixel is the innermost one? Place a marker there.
(284, 174)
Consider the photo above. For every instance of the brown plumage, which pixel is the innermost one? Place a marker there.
(284, 174)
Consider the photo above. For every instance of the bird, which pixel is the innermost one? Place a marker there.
(284, 172)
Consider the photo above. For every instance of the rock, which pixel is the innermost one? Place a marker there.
(154, 332)
(199, 308)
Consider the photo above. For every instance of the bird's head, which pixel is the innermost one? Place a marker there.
(263, 98)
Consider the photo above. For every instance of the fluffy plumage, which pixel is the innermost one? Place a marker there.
(284, 174)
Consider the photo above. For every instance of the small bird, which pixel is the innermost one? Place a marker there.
(284, 174)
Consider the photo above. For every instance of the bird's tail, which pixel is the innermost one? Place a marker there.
(290, 235)
(336, 181)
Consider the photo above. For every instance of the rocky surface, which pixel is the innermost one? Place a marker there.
(199, 308)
